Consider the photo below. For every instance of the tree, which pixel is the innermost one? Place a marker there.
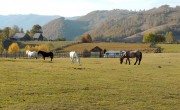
(27, 47)
(6, 32)
(35, 29)
(22, 31)
(13, 49)
(170, 37)
(153, 37)
(86, 38)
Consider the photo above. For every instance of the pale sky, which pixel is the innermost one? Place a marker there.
(70, 8)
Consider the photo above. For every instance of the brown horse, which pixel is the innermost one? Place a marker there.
(131, 54)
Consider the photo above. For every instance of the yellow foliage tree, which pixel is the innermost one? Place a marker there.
(13, 49)
(27, 47)
(43, 48)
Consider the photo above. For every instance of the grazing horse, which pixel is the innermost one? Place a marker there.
(73, 55)
(31, 54)
(46, 54)
(131, 54)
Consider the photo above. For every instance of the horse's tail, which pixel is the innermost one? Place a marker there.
(140, 58)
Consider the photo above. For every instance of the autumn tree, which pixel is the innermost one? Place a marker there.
(13, 49)
(169, 36)
(86, 38)
(27, 47)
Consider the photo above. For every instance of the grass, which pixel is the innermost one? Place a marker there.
(170, 48)
(111, 46)
(96, 84)
(57, 44)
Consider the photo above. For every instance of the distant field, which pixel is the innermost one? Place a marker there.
(170, 48)
(57, 44)
(97, 84)
(111, 46)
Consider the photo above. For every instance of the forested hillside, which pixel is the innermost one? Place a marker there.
(118, 25)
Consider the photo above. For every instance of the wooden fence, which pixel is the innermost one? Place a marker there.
(23, 55)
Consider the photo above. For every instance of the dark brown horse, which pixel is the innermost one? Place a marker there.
(46, 54)
(131, 54)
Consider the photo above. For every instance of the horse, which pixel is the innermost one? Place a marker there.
(131, 54)
(46, 54)
(73, 55)
(31, 54)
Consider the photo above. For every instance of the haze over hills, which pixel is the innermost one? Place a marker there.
(103, 25)
(118, 25)
(24, 21)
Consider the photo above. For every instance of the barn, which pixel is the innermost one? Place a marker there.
(38, 37)
(21, 37)
(96, 52)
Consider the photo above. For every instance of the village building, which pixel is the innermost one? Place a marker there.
(21, 37)
(38, 37)
(96, 52)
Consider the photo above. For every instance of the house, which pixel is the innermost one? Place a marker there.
(38, 36)
(21, 37)
(96, 52)
(112, 54)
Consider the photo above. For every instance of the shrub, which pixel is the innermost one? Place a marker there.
(86, 53)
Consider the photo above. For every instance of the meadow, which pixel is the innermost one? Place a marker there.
(98, 83)
(169, 48)
(111, 46)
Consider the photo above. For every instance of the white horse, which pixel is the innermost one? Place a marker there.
(73, 55)
(32, 54)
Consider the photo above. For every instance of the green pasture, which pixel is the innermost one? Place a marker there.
(170, 48)
(96, 84)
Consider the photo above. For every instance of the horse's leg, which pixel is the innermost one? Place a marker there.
(139, 61)
(72, 60)
(44, 58)
(136, 61)
(128, 60)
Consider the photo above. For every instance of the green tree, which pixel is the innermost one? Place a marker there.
(35, 29)
(6, 32)
(170, 37)
(153, 37)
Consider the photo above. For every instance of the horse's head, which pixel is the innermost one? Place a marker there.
(39, 52)
(27, 51)
(121, 60)
(122, 56)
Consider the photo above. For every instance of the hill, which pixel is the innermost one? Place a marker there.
(117, 25)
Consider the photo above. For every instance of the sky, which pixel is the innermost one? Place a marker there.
(70, 8)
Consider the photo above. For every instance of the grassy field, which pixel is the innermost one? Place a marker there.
(170, 48)
(111, 46)
(98, 83)
(56, 44)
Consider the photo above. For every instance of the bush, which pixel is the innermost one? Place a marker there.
(86, 53)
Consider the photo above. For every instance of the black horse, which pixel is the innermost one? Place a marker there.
(131, 54)
(46, 54)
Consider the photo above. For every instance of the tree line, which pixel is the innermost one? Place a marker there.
(153, 37)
